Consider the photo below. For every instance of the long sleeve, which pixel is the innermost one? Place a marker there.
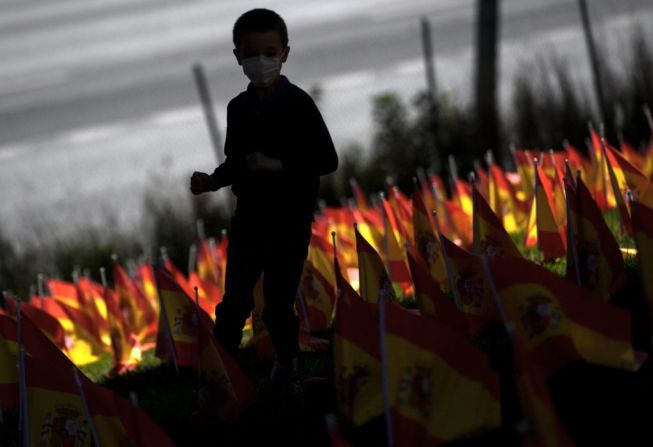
(318, 155)
(225, 174)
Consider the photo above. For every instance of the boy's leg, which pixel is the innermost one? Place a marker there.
(283, 269)
(244, 266)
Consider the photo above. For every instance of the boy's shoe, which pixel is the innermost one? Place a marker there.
(285, 376)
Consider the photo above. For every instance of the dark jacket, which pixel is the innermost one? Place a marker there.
(287, 126)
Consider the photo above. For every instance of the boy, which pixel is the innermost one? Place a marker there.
(277, 146)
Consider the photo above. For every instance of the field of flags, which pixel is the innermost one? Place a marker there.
(402, 290)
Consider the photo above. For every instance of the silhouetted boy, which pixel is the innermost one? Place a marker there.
(277, 147)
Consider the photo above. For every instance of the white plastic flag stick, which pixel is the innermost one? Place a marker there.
(493, 290)
(166, 324)
(452, 283)
(571, 238)
(87, 413)
(22, 379)
(385, 379)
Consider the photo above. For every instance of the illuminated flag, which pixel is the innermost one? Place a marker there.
(432, 301)
(551, 239)
(356, 356)
(136, 310)
(427, 244)
(374, 280)
(599, 258)
(490, 238)
(470, 287)
(433, 379)
(560, 322)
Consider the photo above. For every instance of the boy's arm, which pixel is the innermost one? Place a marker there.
(225, 174)
(319, 157)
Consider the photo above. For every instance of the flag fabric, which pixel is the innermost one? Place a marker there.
(124, 343)
(49, 325)
(551, 239)
(560, 322)
(490, 238)
(356, 357)
(318, 296)
(427, 244)
(433, 381)
(374, 280)
(134, 306)
(432, 301)
(536, 404)
(8, 371)
(502, 200)
(599, 258)
(178, 323)
(470, 287)
(207, 266)
(83, 346)
(393, 253)
(81, 316)
(226, 389)
(93, 294)
(630, 177)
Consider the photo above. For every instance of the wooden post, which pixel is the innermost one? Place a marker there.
(209, 112)
(594, 60)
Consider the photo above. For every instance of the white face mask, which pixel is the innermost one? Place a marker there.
(261, 70)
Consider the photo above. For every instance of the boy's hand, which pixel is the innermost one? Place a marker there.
(258, 162)
(199, 183)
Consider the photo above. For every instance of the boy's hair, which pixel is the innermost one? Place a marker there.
(260, 20)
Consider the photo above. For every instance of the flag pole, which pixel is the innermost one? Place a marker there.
(303, 309)
(192, 258)
(199, 347)
(493, 290)
(452, 286)
(570, 234)
(166, 324)
(87, 412)
(40, 283)
(387, 404)
(22, 379)
(336, 272)
(475, 238)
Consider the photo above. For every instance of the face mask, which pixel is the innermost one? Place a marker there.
(261, 70)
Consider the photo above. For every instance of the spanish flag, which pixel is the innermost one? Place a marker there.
(395, 260)
(432, 301)
(619, 187)
(356, 358)
(427, 244)
(629, 176)
(225, 388)
(207, 265)
(135, 307)
(124, 343)
(374, 280)
(551, 239)
(441, 387)
(490, 238)
(8, 370)
(536, 404)
(318, 295)
(560, 322)
(470, 287)
(178, 323)
(599, 258)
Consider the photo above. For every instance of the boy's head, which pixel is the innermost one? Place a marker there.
(261, 45)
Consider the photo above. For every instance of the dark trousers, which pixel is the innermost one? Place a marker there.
(277, 251)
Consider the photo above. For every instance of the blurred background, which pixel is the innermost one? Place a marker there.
(101, 123)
